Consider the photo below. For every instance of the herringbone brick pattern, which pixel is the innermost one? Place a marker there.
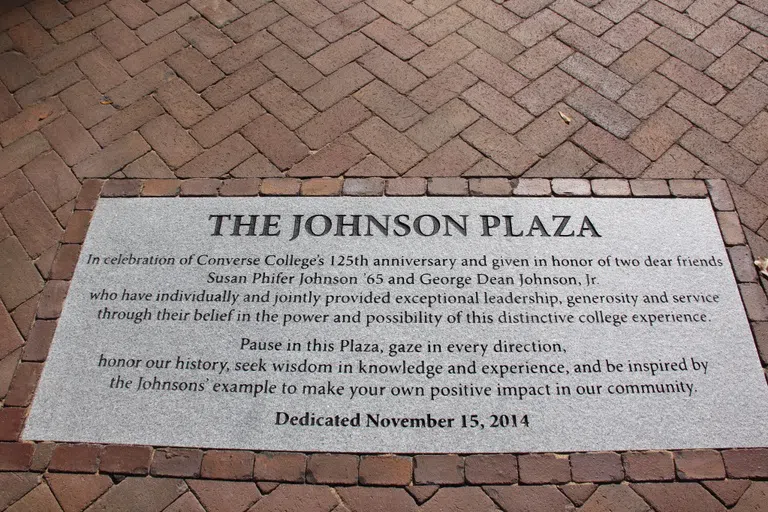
(449, 97)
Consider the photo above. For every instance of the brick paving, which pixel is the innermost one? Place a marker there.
(327, 97)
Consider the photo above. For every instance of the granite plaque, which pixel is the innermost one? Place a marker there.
(404, 325)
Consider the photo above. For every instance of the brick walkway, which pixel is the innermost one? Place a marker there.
(322, 97)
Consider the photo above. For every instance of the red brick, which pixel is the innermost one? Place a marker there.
(89, 194)
(52, 299)
(164, 48)
(39, 341)
(257, 165)
(170, 140)
(586, 43)
(84, 102)
(49, 13)
(82, 24)
(496, 43)
(443, 124)
(64, 264)
(279, 467)
(582, 16)
(247, 51)
(692, 80)
(280, 186)
(491, 469)
(722, 36)
(183, 103)
(76, 492)
(446, 22)
(385, 470)
(297, 36)
(682, 497)
(443, 87)
(225, 496)
(77, 227)
(16, 456)
(682, 48)
(394, 108)
(102, 69)
(534, 498)
(438, 469)
(392, 70)
(75, 458)
(337, 86)
(118, 39)
(30, 119)
(237, 84)
(12, 187)
(705, 116)
(10, 339)
(227, 465)
(442, 54)
(346, 22)
(462, 498)
(452, 159)
(240, 187)
(393, 38)
(282, 102)
(199, 187)
(226, 121)
(218, 160)
(335, 121)
(329, 468)
(499, 146)
(398, 12)
(33, 224)
(134, 13)
(49, 85)
(629, 32)
(571, 187)
(121, 188)
(15, 486)
(140, 493)
(20, 278)
(299, 497)
(544, 468)
(205, 37)
(371, 165)
(332, 160)
(718, 155)
(180, 462)
(254, 22)
(639, 61)
(734, 66)
(537, 27)
(746, 463)
(746, 101)
(729, 491)
(644, 466)
(8, 105)
(699, 464)
(658, 133)
(546, 91)
(141, 85)
(166, 23)
(12, 418)
(113, 157)
(31, 39)
(16, 70)
(648, 95)
(219, 13)
(663, 15)
(70, 139)
(596, 466)
(392, 147)
(126, 460)
(160, 187)
(275, 141)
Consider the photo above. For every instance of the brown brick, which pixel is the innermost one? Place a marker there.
(8, 105)
(566, 160)
(754, 301)
(546, 91)
(439, 127)
(639, 61)
(395, 149)
(452, 159)
(7, 368)
(753, 141)
(743, 264)
(616, 153)
(544, 468)
(226, 121)
(279, 467)
(205, 37)
(12, 187)
(734, 66)
(494, 72)
(167, 23)
(496, 107)
(683, 49)
(31, 38)
(139, 86)
(199, 187)
(192, 65)
(237, 84)
(729, 492)
(66, 259)
(140, 493)
(499, 146)
(496, 43)
(219, 159)
(629, 32)
(183, 103)
(33, 224)
(346, 22)
(648, 95)
(332, 160)
(30, 119)
(227, 465)
(571, 187)
(646, 466)
(595, 76)
(746, 463)
(582, 16)
(385, 470)
(82, 24)
(406, 187)
(705, 116)
(586, 43)
(658, 133)
(688, 188)
(170, 140)
(328, 125)
(602, 111)
(49, 85)
(75, 458)
(341, 53)
(102, 69)
(12, 418)
(297, 36)
(597, 467)
(678, 496)
(121, 188)
(692, 80)
(134, 13)
(396, 73)
(720, 195)
(257, 165)
(126, 460)
(329, 468)
(75, 492)
(391, 106)
(670, 18)
(514, 497)
(180, 462)
(160, 187)
(442, 88)
(398, 12)
(541, 58)
(282, 102)
(49, 13)
(537, 27)
(16, 70)
(162, 49)
(447, 187)
(438, 469)
(118, 39)
(491, 469)
(393, 38)
(721, 36)
(273, 139)
(550, 130)
(247, 51)
(363, 187)
(70, 139)
(309, 12)
(718, 155)
(442, 54)
(219, 13)
(337, 86)
(89, 194)
(756, 43)
(649, 188)
(240, 187)
(744, 102)
(16, 456)
(321, 187)
(83, 101)
(113, 157)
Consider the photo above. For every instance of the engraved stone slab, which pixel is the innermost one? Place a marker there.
(404, 325)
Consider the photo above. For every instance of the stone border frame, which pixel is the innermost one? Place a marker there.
(723, 472)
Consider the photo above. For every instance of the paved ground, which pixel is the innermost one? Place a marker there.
(451, 97)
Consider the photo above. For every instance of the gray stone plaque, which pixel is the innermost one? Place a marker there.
(404, 325)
